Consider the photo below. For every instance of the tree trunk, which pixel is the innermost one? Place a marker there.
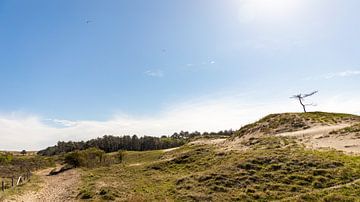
(302, 105)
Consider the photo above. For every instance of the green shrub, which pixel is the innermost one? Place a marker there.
(92, 158)
(74, 158)
(6, 158)
(120, 156)
(86, 158)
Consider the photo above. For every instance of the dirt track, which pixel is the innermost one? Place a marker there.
(58, 188)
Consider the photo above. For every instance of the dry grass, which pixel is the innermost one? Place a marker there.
(274, 168)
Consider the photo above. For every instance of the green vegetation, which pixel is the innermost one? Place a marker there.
(272, 169)
(262, 167)
(118, 181)
(109, 143)
(18, 165)
(92, 157)
(328, 118)
(11, 165)
(290, 122)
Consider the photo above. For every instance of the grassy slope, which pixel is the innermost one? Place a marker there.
(273, 169)
(289, 122)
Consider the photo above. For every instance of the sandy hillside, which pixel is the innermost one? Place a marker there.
(314, 130)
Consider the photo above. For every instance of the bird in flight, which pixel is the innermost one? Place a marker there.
(88, 21)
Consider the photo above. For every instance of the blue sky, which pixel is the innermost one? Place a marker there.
(155, 67)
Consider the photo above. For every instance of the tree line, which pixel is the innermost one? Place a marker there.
(109, 143)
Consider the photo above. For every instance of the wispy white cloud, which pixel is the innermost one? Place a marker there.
(346, 73)
(59, 123)
(202, 65)
(205, 114)
(333, 75)
(154, 73)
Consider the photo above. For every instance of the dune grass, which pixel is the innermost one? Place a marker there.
(272, 169)
(290, 122)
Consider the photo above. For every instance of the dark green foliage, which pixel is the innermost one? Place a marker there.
(74, 158)
(109, 143)
(190, 136)
(23, 152)
(114, 143)
(92, 157)
(86, 158)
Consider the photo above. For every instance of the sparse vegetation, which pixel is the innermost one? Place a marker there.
(92, 157)
(273, 168)
(18, 165)
(289, 122)
(11, 165)
(351, 129)
(269, 168)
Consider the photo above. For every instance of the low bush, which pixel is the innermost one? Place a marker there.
(11, 165)
(92, 157)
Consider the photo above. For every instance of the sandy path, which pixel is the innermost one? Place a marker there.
(208, 141)
(315, 131)
(58, 188)
(170, 149)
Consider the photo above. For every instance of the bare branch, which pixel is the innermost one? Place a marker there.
(310, 94)
(301, 98)
(296, 96)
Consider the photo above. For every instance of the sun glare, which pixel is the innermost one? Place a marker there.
(268, 10)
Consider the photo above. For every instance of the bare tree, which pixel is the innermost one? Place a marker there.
(301, 98)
